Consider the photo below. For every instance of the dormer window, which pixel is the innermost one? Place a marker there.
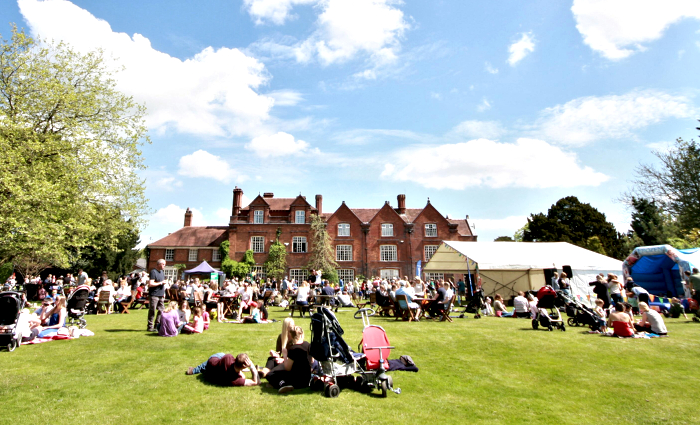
(258, 216)
(344, 229)
(387, 229)
(300, 217)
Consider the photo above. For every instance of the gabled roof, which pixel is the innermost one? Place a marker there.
(278, 204)
(462, 227)
(365, 214)
(388, 207)
(411, 214)
(343, 206)
(193, 236)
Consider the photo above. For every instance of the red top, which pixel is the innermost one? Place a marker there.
(622, 329)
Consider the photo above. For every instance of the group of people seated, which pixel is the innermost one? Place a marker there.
(288, 367)
(44, 321)
(178, 318)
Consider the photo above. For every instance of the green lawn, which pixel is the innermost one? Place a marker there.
(478, 371)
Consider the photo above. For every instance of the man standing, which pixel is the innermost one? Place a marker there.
(82, 277)
(156, 293)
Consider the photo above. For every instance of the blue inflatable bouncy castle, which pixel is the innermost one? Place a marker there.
(659, 268)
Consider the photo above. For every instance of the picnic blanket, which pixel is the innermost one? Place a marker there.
(77, 333)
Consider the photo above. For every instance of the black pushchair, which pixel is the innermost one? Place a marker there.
(475, 305)
(76, 306)
(11, 305)
(581, 315)
(548, 315)
(337, 361)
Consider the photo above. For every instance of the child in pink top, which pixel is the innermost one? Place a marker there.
(205, 318)
(197, 327)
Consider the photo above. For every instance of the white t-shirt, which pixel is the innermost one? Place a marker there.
(521, 305)
(303, 293)
(449, 293)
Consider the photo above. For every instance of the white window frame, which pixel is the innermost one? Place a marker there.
(192, 254)
(300, 217)
(299, 274)
(431, 230)
(429, 251)
(259, 272)
(388, 253)
(434, 276)
(343, 229)
(169, 254)
(257, 244)
(389, 273)
(348, 275)
(343, 253)
(170, 273)
(299, 244)
(387, 230)
(258, 217)
(216, 255)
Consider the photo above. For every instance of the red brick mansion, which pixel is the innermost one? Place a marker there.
(384, 241)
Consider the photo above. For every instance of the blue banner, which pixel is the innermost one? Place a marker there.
(418, 268)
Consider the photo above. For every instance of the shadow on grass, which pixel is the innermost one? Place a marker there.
(123, 330)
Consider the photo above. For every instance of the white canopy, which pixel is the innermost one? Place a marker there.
(505, 265)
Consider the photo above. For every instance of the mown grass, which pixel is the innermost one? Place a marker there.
(481, 371)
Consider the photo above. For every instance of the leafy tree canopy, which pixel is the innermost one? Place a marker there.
(70, 144)
(571, 221)
(322, 254)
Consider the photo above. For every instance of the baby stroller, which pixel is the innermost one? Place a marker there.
(580, 315)
(11, 305)
(337, 360)
(475, 305)
(76, 306)
(548, 315)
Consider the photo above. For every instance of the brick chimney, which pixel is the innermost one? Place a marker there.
(237, 197)
(402, 204)
(268, 195)
(319, 204)
(188, 218)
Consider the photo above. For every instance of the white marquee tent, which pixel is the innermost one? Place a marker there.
(509, 267)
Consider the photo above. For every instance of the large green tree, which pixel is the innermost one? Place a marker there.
(673, 184)
(116, 259)
(322, 254)
(570, 220)
(649, 222)
(70, 145)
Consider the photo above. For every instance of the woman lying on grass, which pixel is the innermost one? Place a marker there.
(224, 369)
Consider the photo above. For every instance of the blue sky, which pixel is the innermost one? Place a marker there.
(491, 109)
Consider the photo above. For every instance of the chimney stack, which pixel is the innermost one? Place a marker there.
(268, 195)
(237, 197)
(188, 218)
(319, 204)
(402, 204)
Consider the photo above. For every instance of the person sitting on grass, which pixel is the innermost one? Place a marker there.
(651, 321)
(226, 370)
(197, 325)
(521, 305)
(600, 311)
(532, 303)
(185, 311)
(296, 372)
(255, 315)
(205, 318)
(499, 307)
(344, 299)
(277, 355)
(56, 318)
(170, 321)
(620, 322)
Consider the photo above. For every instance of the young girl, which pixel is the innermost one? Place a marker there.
(197, 327)
(185, 309)
(205, 318)
(601, 315)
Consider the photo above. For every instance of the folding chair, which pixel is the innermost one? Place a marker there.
(406, 311)
(448, 307)
(103, 301)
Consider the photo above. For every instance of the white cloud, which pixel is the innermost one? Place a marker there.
(203, 164)
(286, 97)
(481, 162)
(168, 183)
(275, 11)
(485, 105)
(478, 129)
(521, 48)
(344, 30)
(173, 214)
(618, 29)
(506, 226)
(490, 69)
(435, 95)
(587, 119)
(279, 144)
(212, 93)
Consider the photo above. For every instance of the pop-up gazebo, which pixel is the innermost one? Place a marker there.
(509, 267)
(205, 269)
